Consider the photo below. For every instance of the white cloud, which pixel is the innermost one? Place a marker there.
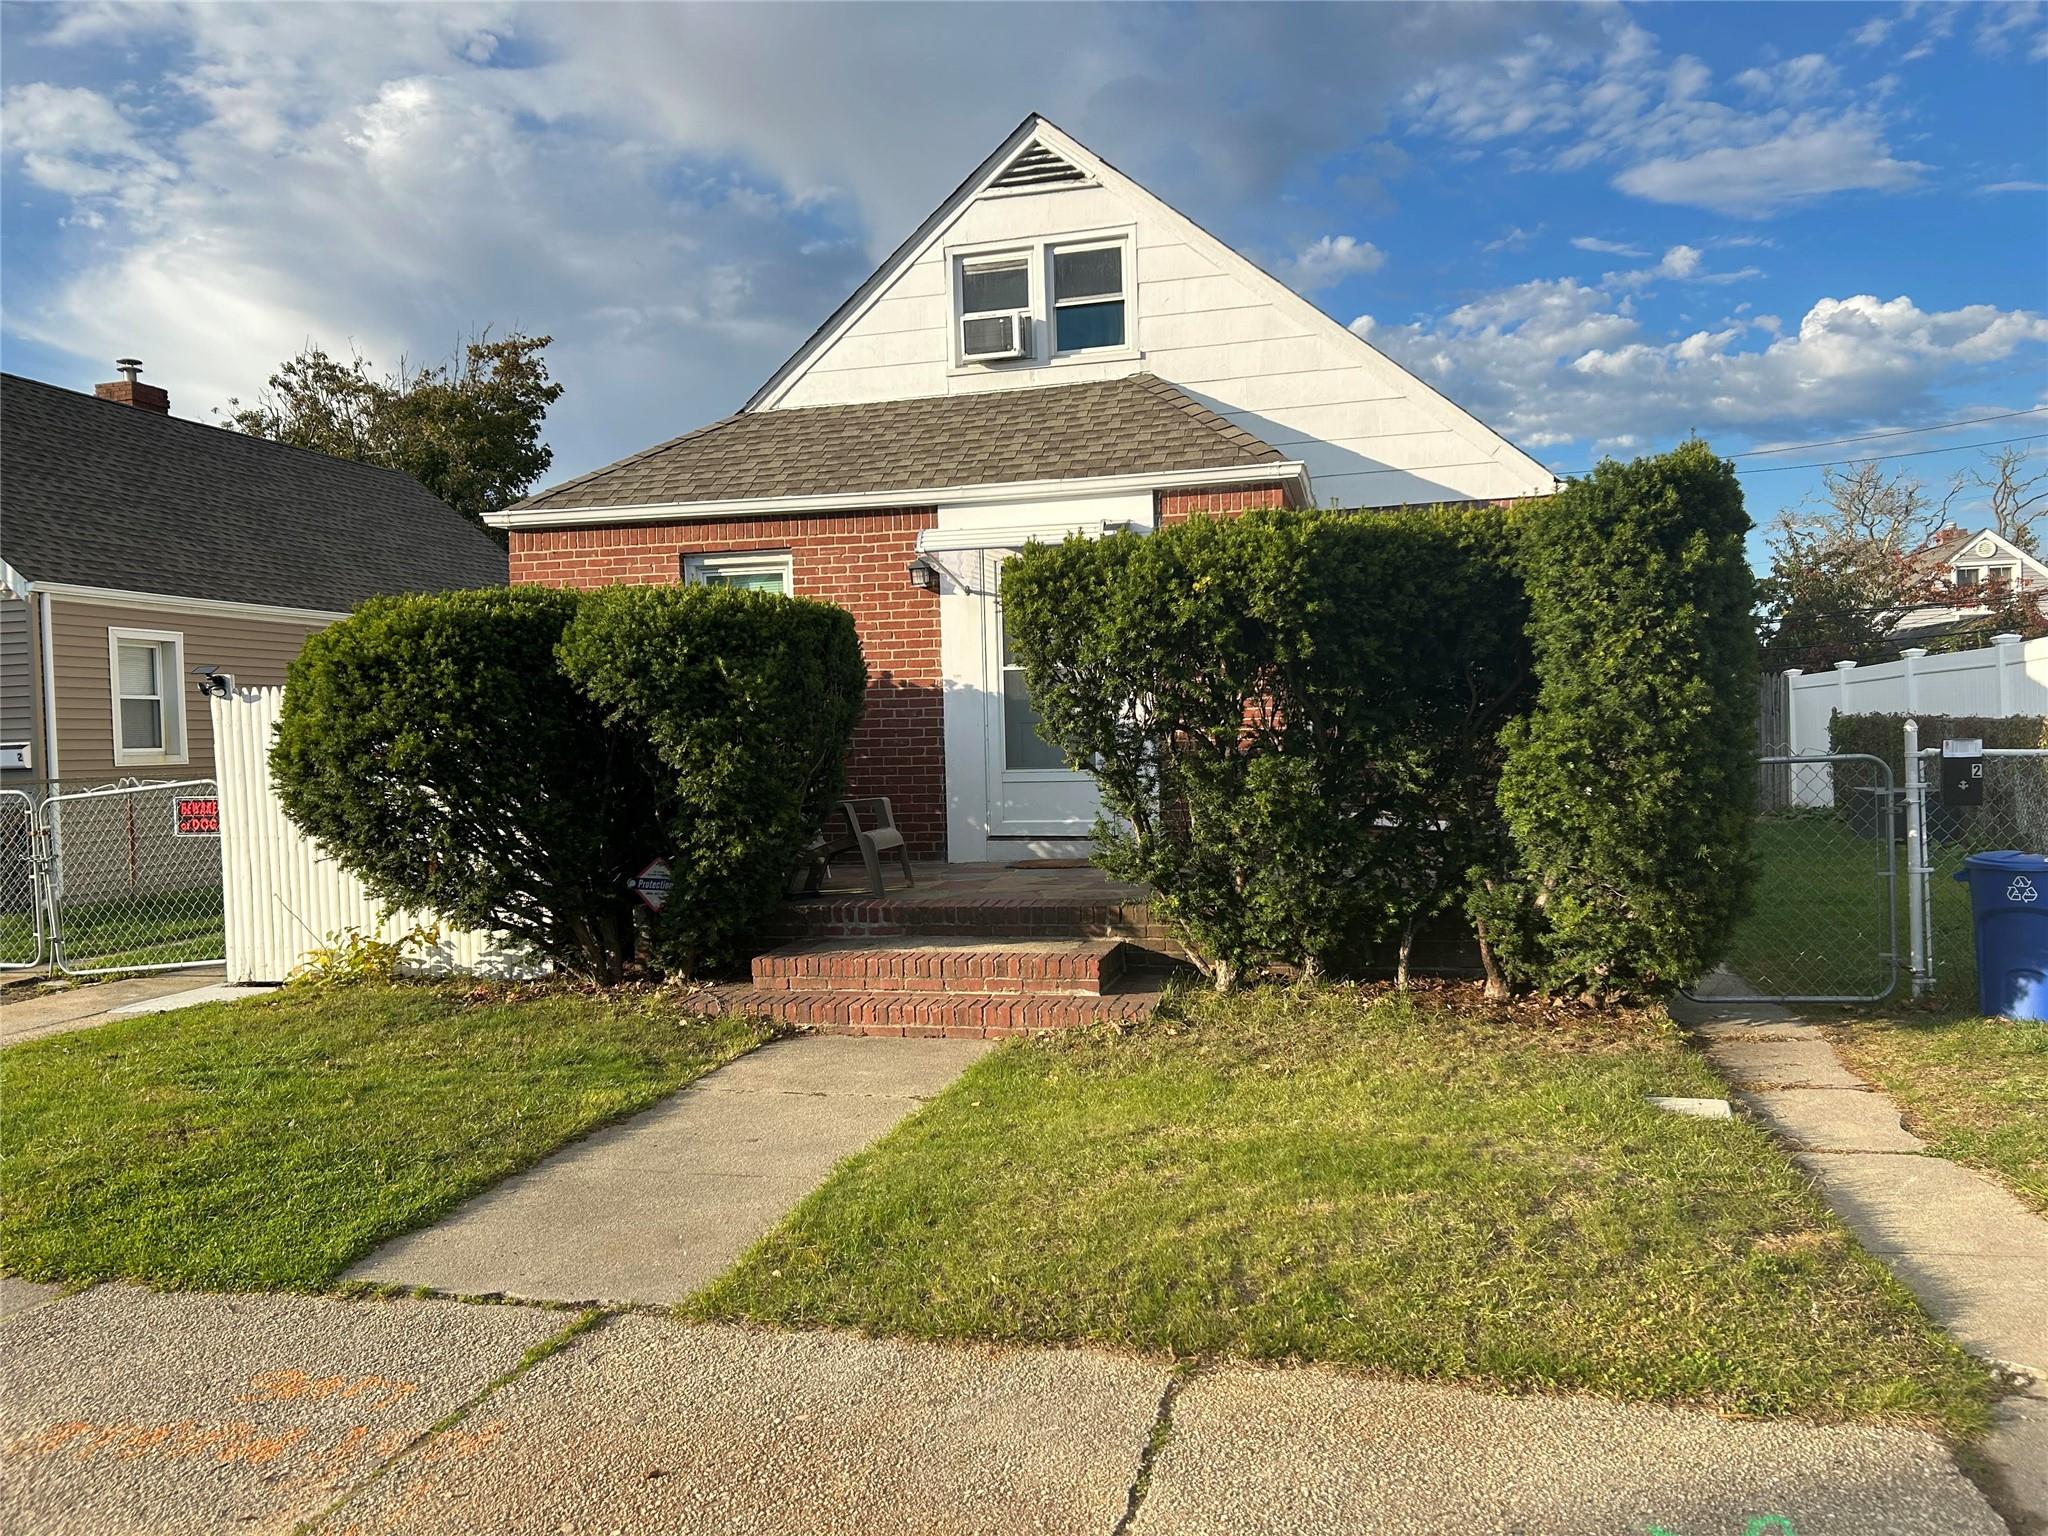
(1872, 32)
(1607, 247)
(1561, 105)
(1812, 158)
(1328, 261)
(617, 176)
(2014, 28)
(1681, 263)
(77, 142)
(1516, 238)
(2014, 186)
(1557, 362)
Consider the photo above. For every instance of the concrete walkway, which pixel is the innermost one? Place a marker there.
(125, 1410)
(29, 1011)
(653, 1209)
(1975, 1256)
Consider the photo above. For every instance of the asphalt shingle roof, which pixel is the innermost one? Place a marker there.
(1133, 425)
(106, 495)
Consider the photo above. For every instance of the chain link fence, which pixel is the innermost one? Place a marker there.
(21, 903)
(111, 877)
(1823, 925)
(2013, 816)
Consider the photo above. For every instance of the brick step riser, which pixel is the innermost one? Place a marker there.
(932, 986)
(926, 1015)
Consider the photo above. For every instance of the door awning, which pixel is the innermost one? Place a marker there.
(932, 541)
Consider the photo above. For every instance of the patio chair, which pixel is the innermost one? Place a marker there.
(870, 830)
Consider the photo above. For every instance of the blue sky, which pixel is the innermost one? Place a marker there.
(1599, 227)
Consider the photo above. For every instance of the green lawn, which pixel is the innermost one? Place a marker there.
(129, 932)
(270, 1143)
(1393, 1184)
(1975, 1089)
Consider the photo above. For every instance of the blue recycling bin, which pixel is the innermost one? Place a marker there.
(2009, 907)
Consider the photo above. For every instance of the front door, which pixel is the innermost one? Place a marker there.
(1037, 805)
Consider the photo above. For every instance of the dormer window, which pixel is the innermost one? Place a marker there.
(1087, 297)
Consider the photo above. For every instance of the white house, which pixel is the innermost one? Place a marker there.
(1054, 350)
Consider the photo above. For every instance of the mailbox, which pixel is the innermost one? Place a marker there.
(1962, 773)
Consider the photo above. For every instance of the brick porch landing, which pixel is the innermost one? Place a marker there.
(972, 950)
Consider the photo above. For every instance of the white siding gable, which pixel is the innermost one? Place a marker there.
(1198, 315)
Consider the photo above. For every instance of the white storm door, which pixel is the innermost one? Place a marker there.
(1032, 794)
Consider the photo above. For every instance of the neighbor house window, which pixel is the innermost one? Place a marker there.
(994, 285)
(149, 713)
(1087, 297)
(768, 572)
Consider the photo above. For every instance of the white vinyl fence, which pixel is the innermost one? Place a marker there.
(2007, 677)
(283, 895)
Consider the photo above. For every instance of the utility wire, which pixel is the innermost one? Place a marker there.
(1878, 458)
(1829, 442)
(1872, 458)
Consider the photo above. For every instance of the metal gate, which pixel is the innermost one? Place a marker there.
(2012, 813)
(22, 946)
(120, 877)
(1823, 925)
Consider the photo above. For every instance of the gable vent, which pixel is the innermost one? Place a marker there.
(1038, 167)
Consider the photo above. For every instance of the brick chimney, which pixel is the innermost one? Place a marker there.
(129, 390)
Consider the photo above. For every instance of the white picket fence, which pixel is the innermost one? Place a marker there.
(2007, 677)
(283, 896)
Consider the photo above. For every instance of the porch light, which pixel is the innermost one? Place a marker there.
(923, 574)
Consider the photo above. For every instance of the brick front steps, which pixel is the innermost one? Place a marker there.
(954, 1015)
(1044, 967)
(971, 950)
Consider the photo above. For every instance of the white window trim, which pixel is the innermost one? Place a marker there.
(1123, 296)
(697, 569)
(1037, 254)
(170, 678)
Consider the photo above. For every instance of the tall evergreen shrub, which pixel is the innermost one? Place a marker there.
(1290, 716)
(1628, 788)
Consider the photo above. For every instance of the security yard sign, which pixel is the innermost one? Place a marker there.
(653, 884)
(195, 816)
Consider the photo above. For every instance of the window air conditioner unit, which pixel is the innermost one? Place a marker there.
(992, 338)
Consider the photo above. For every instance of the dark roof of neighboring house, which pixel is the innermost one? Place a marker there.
(1138, 424)
(99, 494)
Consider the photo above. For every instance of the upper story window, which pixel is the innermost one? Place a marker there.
(1087, 297)
(1047, 301)
(149, 716)
(755, 572)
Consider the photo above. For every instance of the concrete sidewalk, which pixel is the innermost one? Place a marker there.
(655, 1208)
(29, 1011)
(124, 1410)
(1975, 1256)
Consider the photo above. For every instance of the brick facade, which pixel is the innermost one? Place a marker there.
(1169, 507)
(856, 560)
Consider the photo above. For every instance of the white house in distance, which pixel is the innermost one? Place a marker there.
(1978, 569)
(1053, 351)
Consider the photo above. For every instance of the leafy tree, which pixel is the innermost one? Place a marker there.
(469, 429)
(1628, 787)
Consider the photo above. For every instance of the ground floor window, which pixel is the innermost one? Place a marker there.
(757, 571)
(149, 716)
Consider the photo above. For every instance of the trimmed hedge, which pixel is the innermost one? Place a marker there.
(434, 748)
(1280, 757)
(749, 700)
(1885, 735)
(508, 759)
(1629, 787)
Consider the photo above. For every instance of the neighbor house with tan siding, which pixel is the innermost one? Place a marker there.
(138, 551)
